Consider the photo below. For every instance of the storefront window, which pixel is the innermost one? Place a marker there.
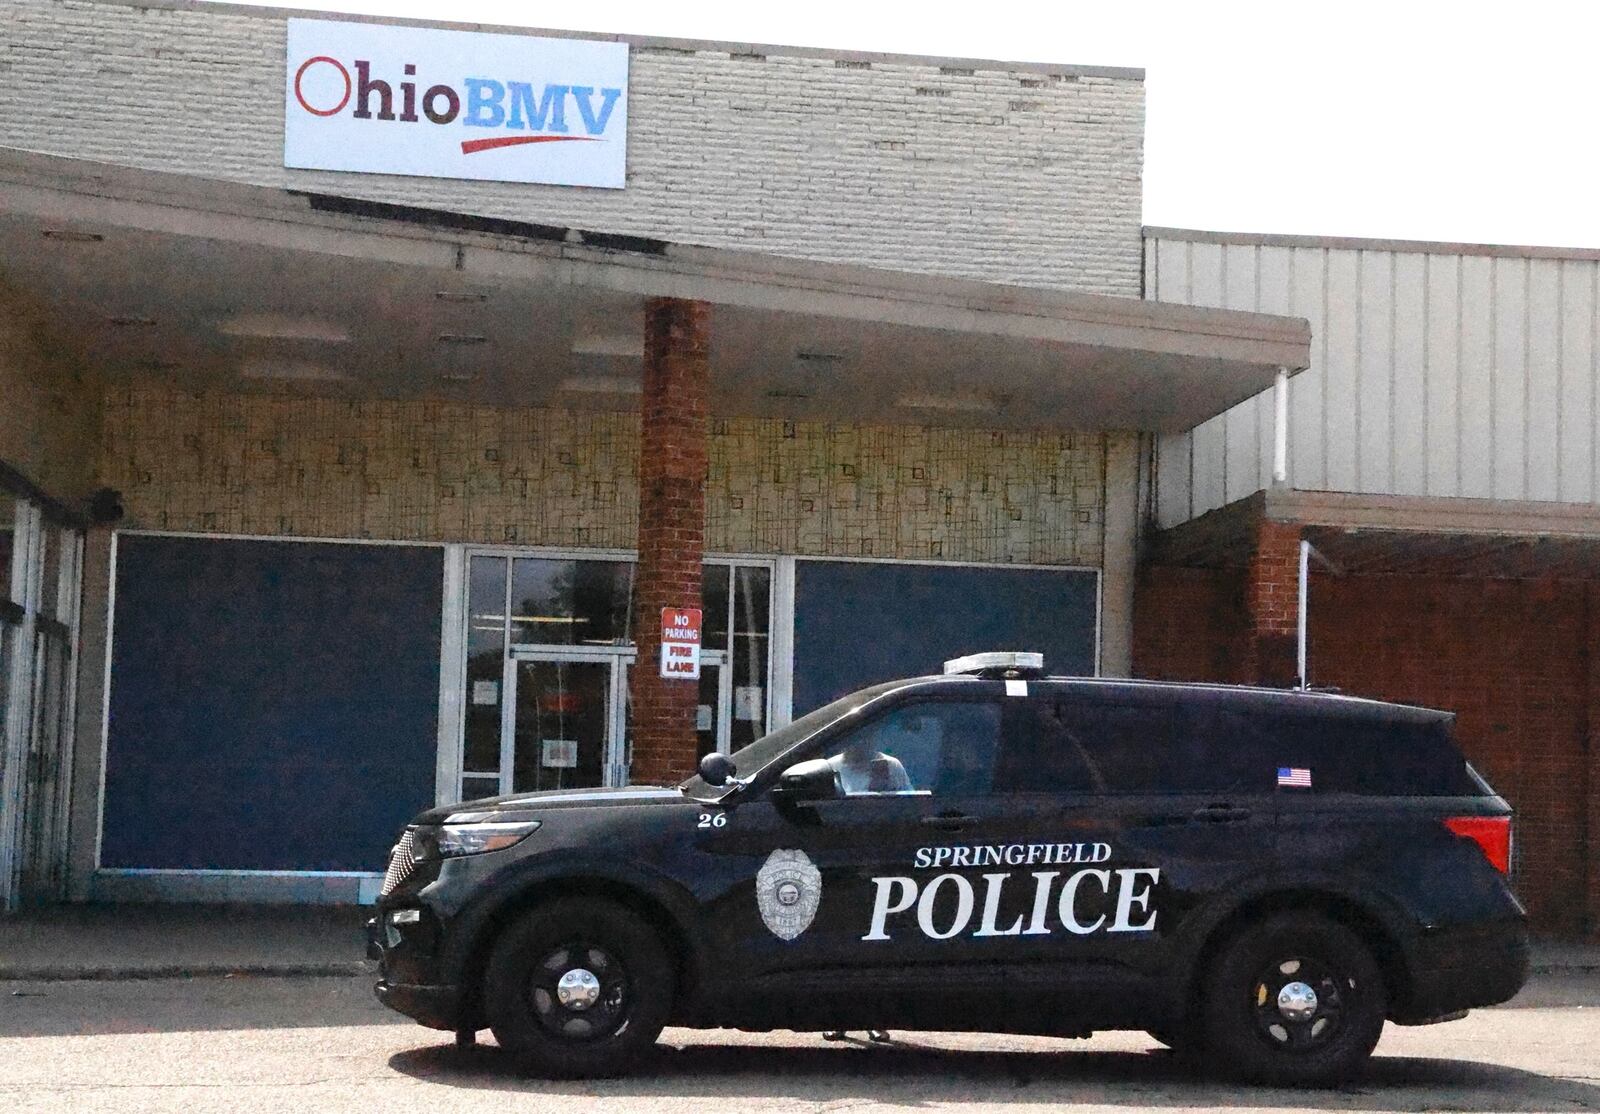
(752, 623)
(714, 604)
(52, 539)
(566, 645)
(8, 534)
(571, 603)
(39, 561)
(486, 636)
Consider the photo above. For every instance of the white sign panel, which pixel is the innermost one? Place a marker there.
(377, 99)
(559, 754)
(680, 642)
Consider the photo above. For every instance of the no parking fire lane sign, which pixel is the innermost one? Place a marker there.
(680, 643)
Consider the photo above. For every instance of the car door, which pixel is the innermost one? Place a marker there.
(825, 897)
(1149, 816)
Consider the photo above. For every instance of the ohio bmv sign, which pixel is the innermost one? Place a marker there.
(376, 99)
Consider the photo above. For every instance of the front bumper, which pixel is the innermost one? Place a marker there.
(408, 970)
(1466, 967)
(437, 1007)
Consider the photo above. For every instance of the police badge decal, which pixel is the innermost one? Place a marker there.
(788, 890)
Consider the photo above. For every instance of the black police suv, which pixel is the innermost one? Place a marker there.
(1256, 877)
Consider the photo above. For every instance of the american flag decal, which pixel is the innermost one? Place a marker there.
(1296, 777)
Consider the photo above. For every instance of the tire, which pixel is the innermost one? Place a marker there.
(1254, 1032)
(590, 1027)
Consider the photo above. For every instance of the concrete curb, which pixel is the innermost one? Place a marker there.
(187, 971)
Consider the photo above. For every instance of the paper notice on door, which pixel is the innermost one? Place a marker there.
(750, 702)
(486, 692)
(559, 754)
(702, 718)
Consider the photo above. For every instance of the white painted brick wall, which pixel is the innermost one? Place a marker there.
(1004, 174)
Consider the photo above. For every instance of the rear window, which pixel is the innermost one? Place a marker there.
(1371, 758)
(1076, 744)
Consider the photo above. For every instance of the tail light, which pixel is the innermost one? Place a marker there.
(1491, 833)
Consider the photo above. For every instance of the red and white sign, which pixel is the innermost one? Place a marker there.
(680, 642)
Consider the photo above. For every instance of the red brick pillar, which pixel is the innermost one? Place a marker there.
(1272, 605)
(1591, 850)
(672, 517)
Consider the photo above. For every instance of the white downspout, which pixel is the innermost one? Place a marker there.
(1280, 428)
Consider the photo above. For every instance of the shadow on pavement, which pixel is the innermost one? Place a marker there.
(908, 1073)
(85, 1008)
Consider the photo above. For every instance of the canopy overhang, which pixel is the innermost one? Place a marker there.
(219, 285)
(1360, 534)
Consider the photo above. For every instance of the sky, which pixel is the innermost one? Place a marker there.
(1406, 120)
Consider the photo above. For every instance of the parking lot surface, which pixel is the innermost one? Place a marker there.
(323, 1044)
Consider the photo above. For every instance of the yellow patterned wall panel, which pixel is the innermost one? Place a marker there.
(442, 471)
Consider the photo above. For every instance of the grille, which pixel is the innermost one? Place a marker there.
(400, 865)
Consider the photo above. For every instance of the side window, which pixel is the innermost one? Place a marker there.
(1370, 757)
(1065, 745)
(1041, 753)
(932, 748)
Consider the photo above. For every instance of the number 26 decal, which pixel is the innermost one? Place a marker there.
(713, 820)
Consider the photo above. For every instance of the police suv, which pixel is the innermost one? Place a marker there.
(1256, 877)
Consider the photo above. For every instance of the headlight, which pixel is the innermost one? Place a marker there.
(473, 833)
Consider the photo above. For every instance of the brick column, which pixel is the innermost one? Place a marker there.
(672, 517)
(1272, 605)
(1591, 749)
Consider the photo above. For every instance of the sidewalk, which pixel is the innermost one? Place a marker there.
(165, 941)
(168, 941)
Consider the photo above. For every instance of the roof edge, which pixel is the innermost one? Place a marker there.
(1357, 243)
(645, 42)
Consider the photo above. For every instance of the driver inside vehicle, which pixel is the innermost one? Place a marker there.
(863, 769)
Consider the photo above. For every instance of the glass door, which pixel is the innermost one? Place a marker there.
(561, 728)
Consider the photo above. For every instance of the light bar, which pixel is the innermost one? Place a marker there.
(995, 659)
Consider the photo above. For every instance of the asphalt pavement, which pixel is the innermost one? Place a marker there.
(314, 1045)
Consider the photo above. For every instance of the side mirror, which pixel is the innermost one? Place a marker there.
(717, 769)
(814, 780)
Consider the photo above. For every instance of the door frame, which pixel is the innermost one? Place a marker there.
(616, 760)
(613, 761)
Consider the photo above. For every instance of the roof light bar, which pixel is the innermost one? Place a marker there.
(1016, 660)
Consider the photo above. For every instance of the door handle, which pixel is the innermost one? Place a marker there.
(947, 821)
(1220, 814)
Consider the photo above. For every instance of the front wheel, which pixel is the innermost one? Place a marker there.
(1296, 1000)
(578, 987)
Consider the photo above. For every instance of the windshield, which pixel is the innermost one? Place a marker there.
(750, 760)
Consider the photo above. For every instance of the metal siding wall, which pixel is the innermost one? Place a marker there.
(1341, 418)
(1508, 387)
(1541, 466)
(1474, 402)
(1576, 461)
(1442, 445)
(1374, 370)
(1308, 441)
(1408, 367)
(1432, 373)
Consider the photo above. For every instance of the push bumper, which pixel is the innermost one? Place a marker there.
(1463, 968)
(404, 953)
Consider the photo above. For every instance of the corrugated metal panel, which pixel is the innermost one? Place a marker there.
(1434, 372)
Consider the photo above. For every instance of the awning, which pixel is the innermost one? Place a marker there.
(226, 286)
(1398, 535)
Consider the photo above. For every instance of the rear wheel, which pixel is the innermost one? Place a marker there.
(578, 987)
(1295, 999)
